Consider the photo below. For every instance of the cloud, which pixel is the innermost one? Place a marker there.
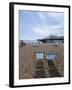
(44, 30)
(51, 23)
(51, 18)
(55, 14)
(58, 17)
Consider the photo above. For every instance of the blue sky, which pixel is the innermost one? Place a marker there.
(40, 24)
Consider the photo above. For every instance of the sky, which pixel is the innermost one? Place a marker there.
(35, 25)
